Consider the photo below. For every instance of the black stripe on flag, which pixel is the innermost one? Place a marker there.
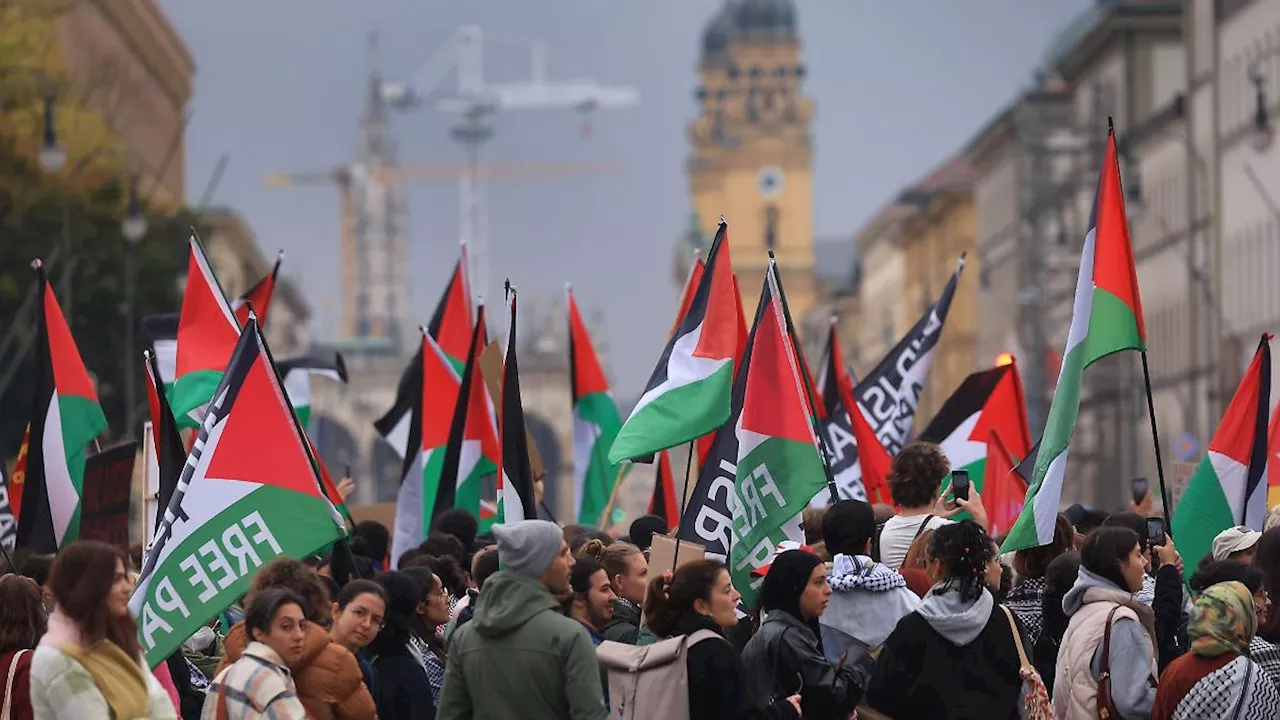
(969, 398)
(516, 467)
(171, 455)
(409, 387)
(35, 522)
(447, 491)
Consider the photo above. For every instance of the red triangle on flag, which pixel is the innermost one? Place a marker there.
(588, 376)
(451, 323)
(719, 337)
(69, 374)
(259, 296)
(207, 328)
(259, 441)
(773, 404)
(1003, 490)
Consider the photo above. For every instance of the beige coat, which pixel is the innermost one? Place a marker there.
(1075, 692)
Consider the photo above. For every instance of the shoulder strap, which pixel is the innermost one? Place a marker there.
(1104, 666)
(8, 685)
(920, 530)
(699, 635)
(1017, 637)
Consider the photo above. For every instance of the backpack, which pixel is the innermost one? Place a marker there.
(650, 682)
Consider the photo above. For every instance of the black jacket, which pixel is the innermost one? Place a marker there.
(1171, 621)
(625, 625)
(921, 674)
(403, 690)
(717, 680)
(784, 658)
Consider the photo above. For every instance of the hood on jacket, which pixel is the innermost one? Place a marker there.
(509, 601)
(959, 621)
(1085, 581)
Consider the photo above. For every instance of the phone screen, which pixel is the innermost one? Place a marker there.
(1155, 531)
(1140, 489)
(960, 484)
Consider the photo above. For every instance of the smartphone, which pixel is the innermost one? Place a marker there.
(960, 484)
(1155, 531)
(1140, 489)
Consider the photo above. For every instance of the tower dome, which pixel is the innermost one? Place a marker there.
(776, 17)
(719, 33)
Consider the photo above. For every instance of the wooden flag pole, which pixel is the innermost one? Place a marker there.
(1155, 436)
(613, 496)
(684, 503)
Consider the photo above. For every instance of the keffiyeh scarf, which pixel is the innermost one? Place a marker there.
(1240, 690)
(859, 572)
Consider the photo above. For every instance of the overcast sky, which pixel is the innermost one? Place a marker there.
(279, 86)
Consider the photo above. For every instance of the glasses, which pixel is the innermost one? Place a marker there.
(363, 615)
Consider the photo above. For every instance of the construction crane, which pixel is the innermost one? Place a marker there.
(474, 99)
(348, 178)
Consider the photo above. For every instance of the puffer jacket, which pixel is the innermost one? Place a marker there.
(624, 627)
(784, 658)
(328, 677)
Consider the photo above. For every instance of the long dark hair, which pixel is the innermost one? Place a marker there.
(1103, 550)
(426, 583)
(403, 596)
(964, 550)
(1267, 558)
(22, 618)
(80, 580)
(1059, 577)
(666, 601)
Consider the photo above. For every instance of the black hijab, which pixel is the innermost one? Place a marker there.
(785, 582)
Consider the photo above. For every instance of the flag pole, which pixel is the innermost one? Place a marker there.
(613, 496)
(684, 503)
(1155, 436)
(808, 388)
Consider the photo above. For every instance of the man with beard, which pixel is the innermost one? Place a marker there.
(591, 599)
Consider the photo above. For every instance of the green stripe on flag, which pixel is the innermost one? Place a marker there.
(676, 416)
(212, 566)
(431, 484)
(1112, 327)
(1203, 512)
(190, 392)
(599, 410)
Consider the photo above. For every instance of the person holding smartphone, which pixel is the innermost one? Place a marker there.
(915, 482)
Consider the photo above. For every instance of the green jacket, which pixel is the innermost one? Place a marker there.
(625, 625)
(520, 658)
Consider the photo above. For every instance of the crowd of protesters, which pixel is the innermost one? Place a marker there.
(883, 613)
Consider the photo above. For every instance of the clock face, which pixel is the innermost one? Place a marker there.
(769, 181)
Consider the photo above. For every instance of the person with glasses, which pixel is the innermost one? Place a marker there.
(402, 689)
(427, 640)
(358, 616)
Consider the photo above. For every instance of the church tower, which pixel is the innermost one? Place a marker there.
(751, 158)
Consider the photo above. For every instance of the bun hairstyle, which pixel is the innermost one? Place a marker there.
(668, 598)
(964, 550)
(614, 557)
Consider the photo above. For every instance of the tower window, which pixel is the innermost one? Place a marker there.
(771, 227)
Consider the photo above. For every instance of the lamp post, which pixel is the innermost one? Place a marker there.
(52, 159)
(134, 228)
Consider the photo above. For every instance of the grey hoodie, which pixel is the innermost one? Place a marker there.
(959, 621)
(1131, 649)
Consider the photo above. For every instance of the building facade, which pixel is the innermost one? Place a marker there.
(751, 153)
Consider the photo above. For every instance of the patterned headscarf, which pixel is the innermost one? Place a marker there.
(1223, 620)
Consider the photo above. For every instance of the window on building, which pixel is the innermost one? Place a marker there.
(771, 227)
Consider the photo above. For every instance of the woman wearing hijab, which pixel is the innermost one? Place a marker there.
(1217, 677)
(785, 657)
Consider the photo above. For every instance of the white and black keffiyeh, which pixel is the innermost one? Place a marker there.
(853, 572)
(1239, 690)
(1026, 601)
(1267, 655)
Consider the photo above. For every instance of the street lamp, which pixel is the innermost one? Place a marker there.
(134, 228)
(1263, 133)
(52, 156)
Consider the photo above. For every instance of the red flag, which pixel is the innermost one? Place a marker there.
(1003, 490)
(259, 296)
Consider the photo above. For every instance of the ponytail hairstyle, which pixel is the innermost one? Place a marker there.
(669, 597)
(964, 551)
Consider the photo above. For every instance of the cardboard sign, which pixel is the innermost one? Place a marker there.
(662, 554)
(104, 499)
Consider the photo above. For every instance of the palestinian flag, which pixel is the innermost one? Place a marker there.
(664, 501)
(207, 333)
(688, 394)
(696, 271)
(1273, 460)
(704, 444)
(249, 493)
(66, 416)
(297, 374)
(1003, 489)
(258, 296)
(844, 432)
(1106, 318)
(515, 473)
(987, 402)
(8, 522)
(437, 393)
(595, 425)
(779, 465)
(1229, 488)
(451, 322)
(473, 450)
(171, 453)
(18, 478)
(394, 425)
